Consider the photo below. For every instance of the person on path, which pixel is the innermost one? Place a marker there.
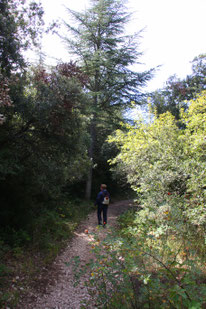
(102, 202)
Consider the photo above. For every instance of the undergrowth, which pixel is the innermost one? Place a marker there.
(145, 264)
(27, 253)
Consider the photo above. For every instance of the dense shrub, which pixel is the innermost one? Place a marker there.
(157, 258)
(162, 161)
(42, 147)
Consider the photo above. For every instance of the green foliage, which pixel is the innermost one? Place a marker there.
(55, 225)
(145, 264)
(21, 25)
(160, 159)
(106, 55)
(22, 263)
(42, 130)
(43, 146)
(157, 258)
(177, 92)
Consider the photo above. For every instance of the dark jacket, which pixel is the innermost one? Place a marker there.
(100, 197)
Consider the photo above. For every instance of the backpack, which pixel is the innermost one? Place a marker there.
(106, 200)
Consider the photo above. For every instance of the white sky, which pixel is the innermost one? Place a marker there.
(174, 34)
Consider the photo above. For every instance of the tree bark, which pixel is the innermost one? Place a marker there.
(89, 184)
(91, 155)
(93, 137)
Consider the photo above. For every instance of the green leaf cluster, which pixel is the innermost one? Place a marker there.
(160, 159)
(165, 165)
(177, 92)
(42, 146)
(21, 25)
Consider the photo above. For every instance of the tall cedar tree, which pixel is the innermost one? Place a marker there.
(106, 56)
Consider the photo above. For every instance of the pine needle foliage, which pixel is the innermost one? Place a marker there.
(107, 56)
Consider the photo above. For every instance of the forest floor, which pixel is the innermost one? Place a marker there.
(54, 288)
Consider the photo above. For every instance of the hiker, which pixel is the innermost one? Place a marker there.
(102, 201)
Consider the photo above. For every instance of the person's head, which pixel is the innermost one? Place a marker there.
(103, 187)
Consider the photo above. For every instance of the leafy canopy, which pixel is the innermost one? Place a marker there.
(158, 157)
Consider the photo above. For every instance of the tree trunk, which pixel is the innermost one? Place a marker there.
(90, 154)
(89, 184)
(93, 137)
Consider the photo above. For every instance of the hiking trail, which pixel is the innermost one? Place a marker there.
(56, 290)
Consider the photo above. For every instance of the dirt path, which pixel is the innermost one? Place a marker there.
(60, 293)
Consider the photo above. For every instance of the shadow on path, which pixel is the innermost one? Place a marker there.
(60, 292)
